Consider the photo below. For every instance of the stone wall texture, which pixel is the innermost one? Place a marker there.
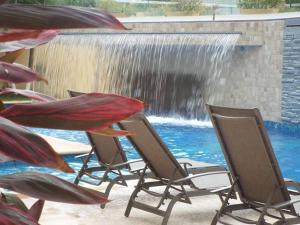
(255, 76)
(291, 72)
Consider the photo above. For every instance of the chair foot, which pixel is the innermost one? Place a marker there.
(169, 210)
(215, 219)
(128, 209)
(76, 181)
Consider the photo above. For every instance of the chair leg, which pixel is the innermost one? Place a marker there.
(84, 166)
(108, 189)
(215, 219)
(169, 209)
(76, 181)
(131, 200)
(136, 191)
(79, 175)
(288, 221)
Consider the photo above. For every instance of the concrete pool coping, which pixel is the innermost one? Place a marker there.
(209, 18)
(65, 147)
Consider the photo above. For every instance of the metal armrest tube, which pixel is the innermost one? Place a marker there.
(83, 155)
(186, 163)
(126, 163)
(292, 183)
(221, 189)
(285, 204)
(199, 175)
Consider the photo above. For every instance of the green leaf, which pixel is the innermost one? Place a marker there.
(13, 199)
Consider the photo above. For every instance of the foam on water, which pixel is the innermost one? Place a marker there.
(179, 121)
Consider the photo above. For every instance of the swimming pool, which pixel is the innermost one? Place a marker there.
(186, 139)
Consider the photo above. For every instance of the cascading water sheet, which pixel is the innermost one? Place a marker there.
(173, 73)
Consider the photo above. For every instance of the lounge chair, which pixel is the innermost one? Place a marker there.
(254, 169)
(167, 171)
(114, 167)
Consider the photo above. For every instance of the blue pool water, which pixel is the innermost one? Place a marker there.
(194, 140)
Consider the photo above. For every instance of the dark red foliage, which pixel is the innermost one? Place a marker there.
(48, 187)
(41, 38)
(92, 111)
(28, 93)
(10, 215)
(16, 73)
(55, 17)
(18, 35)
(18, 143)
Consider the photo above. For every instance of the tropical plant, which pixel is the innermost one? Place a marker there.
(189, 6)
(259, 4)
(92, 112)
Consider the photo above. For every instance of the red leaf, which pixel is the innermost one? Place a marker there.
(10, 215)
(16, 73)
(19, 35)
(36, 209)
(92, 111)
(55, 17)
(112, 132)
(18, 143)
(11, 57)
(51, 188)
(42, 38)
(28, 93)
(2, 1)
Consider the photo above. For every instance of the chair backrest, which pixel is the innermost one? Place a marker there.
(249, 154)
(151, 148)
(107, 149)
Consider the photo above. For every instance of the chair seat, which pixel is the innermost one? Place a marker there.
(212, 181)
(195, 168)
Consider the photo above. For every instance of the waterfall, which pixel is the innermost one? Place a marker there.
(172, 73)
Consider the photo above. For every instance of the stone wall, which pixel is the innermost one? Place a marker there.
(256, 71)
(291, 72)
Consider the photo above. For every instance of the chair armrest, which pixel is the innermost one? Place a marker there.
(185, 163)
(292, 183)
(285, 204)
(222, 189)
(199, 175)
(126, 163)
(82, 155)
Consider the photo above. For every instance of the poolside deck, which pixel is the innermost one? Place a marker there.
(65, 147)
(200, 212)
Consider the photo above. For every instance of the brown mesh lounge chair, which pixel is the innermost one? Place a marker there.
(167, 171)
(253, 166)
(113, 165)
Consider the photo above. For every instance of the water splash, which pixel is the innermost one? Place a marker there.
(173, 73)
(179, 121)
